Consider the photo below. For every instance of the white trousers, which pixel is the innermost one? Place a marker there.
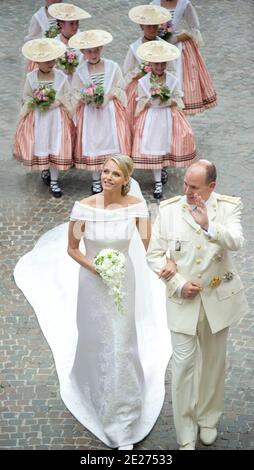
(198, 373)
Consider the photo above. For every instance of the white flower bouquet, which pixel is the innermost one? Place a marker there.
(110, 264)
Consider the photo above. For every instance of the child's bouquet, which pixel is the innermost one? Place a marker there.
(69, 61)
(144, 68)
(110, 264)
(160, 91)
(166, 31)
(93, 94)
(53, 31)
(43, 97)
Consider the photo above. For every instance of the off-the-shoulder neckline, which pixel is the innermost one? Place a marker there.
(110, 210)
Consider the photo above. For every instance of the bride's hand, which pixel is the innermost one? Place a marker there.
(168, 271)
(93, 270)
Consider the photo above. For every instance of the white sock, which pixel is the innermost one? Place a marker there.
(130, 447)
(96, 175)
(54, 174)
(157, 176)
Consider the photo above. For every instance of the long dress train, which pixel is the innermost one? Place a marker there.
(111, 365)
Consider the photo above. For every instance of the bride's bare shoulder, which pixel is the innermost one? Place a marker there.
(88, 201)
(132, 200)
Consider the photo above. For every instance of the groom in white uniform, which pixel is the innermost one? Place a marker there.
(204, 296)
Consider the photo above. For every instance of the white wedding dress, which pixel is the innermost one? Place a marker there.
(111, 365)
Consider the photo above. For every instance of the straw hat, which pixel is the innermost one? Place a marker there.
(90, 39)
(67, 12)
(157, 51)
(42, 50)
(149, 14)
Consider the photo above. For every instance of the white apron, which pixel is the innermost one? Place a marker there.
(47, 124)
(157, 138)
(99, 135)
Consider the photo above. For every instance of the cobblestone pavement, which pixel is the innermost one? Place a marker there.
(32, 413)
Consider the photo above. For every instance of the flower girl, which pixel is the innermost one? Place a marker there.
(68, 17)
(194, 78)
(163, 137)
(149, 17)
(99, 100)
(44, 134)
(42, 24)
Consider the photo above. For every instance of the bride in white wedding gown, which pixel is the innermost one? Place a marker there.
(111, 365)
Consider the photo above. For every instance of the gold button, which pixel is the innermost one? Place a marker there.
(199, 275)
(198, 247)
(198, 230)
(198, 261)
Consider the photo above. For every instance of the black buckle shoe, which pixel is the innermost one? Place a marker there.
(55, 188)
(96, 187)
(45, 176)
(164, 176)
(157, 193)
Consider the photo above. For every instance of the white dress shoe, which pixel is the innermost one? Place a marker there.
(130, 447)
(189, 446)
(208, 435)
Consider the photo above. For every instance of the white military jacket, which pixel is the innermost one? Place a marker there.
(201, 258)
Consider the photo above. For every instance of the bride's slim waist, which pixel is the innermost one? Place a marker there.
(90, 254)
(93, 249)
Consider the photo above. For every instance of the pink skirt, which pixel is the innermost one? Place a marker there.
(24, 145)
(183, 148)
(199, 92)
(95, 163)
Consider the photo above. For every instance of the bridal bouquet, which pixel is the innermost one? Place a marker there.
(69, 60)
(43, 97)
(110, 264)
(144, 68)
(52, 32)
(158, 90)
(93, 94)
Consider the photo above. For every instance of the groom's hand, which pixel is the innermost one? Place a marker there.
(168, 271)
(190, 290)
(199, 214)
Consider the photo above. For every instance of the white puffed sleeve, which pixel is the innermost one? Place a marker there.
(191, 18)
(27, 96)
(130, 62)
(34, 30)
(76, 87)
(142, 100)
(118, 87)
(64, 96)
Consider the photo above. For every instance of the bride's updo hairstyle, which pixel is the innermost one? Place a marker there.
(125, 164)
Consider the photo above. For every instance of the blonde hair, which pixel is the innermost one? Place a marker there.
(125, 163)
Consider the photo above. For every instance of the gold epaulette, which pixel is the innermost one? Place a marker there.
(169, 201)
(232, 199)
